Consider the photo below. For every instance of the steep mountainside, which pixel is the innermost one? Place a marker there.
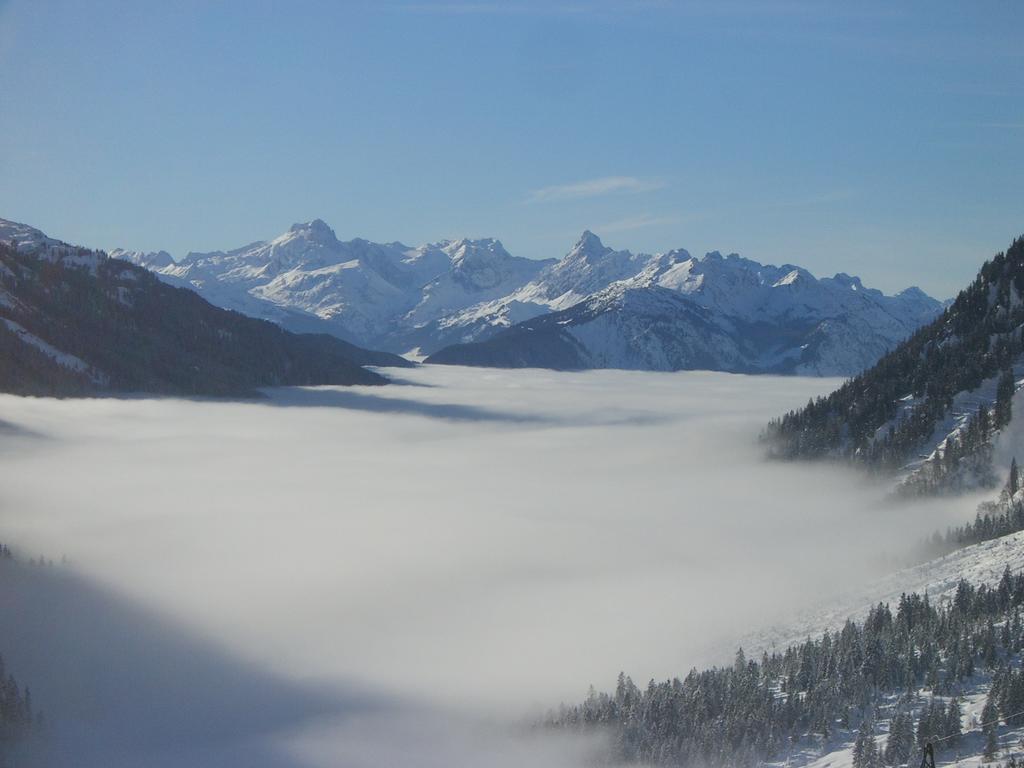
(73, 321)
(718, 313)
(936, 401)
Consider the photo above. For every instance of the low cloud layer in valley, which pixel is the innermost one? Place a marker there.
(386, 562)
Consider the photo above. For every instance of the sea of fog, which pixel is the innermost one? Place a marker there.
(390, 576)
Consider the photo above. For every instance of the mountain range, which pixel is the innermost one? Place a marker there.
(74, 321)
(471, 302)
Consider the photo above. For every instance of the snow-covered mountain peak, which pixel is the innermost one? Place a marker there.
(480, 272)
(588, 247)
(467, 253)
(302, 238)
(590, 266)
(316, 231)
(677, 256)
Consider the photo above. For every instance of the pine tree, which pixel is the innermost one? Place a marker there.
(1013, 700)
(990, 726)
(1004, 397)
(872, 756)
(865, 750)
(954, 720)
(991, 750)
(900, 743)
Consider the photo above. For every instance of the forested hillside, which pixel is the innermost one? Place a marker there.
(939, 397)
(74, 322)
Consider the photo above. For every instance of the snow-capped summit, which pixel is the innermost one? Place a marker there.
(588, 246)
(316, 230)
(473, 255)
(479, 271)
(588, 267)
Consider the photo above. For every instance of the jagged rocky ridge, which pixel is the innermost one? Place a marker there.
(934, 404)
(596, 307)
(74, 321)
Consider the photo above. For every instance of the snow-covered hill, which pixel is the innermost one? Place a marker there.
(391, 296)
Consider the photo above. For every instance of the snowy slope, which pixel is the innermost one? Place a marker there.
(982, 563)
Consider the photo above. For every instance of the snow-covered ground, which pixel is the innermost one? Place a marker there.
(980, 564)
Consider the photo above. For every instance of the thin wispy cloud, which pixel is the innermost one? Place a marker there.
(607, 185)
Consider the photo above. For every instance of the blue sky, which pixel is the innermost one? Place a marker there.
(880, 139)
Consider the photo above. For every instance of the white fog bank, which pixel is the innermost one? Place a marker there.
(473, 540)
